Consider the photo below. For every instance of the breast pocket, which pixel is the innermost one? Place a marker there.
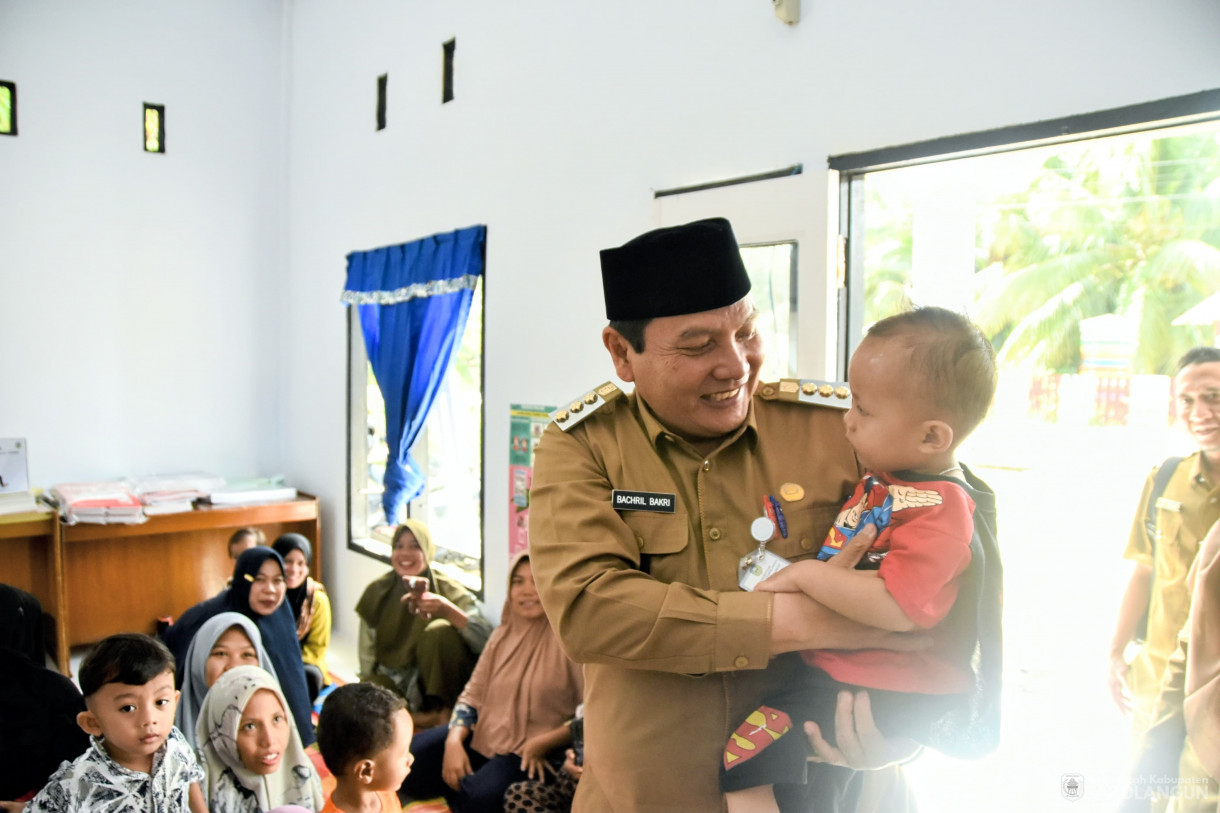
(807, 529)
(662, 540)
(1175, 555)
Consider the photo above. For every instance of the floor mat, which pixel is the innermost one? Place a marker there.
(426, 806)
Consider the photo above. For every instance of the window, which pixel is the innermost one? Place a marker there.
(451, 446)
(8, 108)
(154, 128)
(772, 271)
(1082, 258)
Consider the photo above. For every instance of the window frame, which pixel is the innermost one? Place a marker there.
(851, 169)
(357, 368)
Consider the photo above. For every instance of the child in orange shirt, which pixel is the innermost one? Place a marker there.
(364, 734)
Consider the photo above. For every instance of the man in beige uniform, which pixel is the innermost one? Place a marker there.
(1187, 508)
(640, 514)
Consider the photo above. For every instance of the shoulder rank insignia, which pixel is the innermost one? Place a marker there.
(568, 416)
(808, 391)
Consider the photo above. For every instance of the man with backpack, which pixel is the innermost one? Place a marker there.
(1179, 505)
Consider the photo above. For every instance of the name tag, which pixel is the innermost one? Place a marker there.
(643, 501)
(1167, 504)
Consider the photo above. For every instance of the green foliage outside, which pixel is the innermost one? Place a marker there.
(6, 110)
(1121, 226)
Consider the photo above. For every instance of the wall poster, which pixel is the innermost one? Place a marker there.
(525, 430)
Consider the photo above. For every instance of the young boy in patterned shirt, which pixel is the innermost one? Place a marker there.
(137, 761)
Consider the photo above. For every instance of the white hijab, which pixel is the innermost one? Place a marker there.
(294, 783)
(194, 684)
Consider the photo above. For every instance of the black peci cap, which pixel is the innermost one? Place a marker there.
(677, 270)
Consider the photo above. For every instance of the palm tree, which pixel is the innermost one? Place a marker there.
(1116, 227)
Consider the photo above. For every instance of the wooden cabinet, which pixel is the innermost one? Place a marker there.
(30, 560)
(122, 578)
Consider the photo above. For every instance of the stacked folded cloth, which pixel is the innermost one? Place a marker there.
(101, 502)
(174, 493)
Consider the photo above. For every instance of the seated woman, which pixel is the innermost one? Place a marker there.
(424, 645)
(310, 606)
(223, 642)
(250, 750)
(513, 713)
(38, 706)
(257, 592)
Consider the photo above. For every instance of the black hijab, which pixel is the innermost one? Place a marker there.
(284, 545)
(21, 623)
(279, 632)
(38, 706)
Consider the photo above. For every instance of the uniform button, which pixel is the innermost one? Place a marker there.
(806, 544)
(707, 465)
(741, 662)
(639, 540)
(768, 391)
(714, 534)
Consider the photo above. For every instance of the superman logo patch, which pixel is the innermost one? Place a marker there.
(764, 726)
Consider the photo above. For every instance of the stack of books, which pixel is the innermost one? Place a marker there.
(253, 492)
(173, 493)
(102, 503)
(15, 494)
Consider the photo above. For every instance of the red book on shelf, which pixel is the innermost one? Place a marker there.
(101, 494)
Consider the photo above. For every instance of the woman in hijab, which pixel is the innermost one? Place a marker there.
(257, 592)
(514, 711)
(222, 643)
(252, 755)
(310, 606)
(421, 643)
(38, 707)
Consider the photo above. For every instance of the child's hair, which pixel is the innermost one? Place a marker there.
(239, 535)
(128, 658)
(953, 359)
(357, 722)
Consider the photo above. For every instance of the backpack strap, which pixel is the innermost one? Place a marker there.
(1159, 482)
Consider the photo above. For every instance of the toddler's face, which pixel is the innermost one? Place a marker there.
(233, 648)
(134, 721)
(267, 589)
(884, 424)
(392, 765)
(262, 733)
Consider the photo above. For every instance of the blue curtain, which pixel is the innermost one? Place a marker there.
(413, 301)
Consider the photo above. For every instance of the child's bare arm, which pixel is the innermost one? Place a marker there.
(855, 594)
(195, 799)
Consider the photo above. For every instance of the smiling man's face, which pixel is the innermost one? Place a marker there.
(698, 371)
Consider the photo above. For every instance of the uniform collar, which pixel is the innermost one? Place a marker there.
(655, 430)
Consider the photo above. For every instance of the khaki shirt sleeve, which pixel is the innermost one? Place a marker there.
(1139, 547)
(478, 628)
(603, 607)
(364, 650)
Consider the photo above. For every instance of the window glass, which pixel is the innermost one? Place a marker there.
(450, 446)
(772, 267)
(1089, 266)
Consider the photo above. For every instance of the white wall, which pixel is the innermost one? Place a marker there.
(139, 304)
(567, 116)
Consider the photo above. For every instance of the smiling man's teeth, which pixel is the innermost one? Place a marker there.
(723, 396)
